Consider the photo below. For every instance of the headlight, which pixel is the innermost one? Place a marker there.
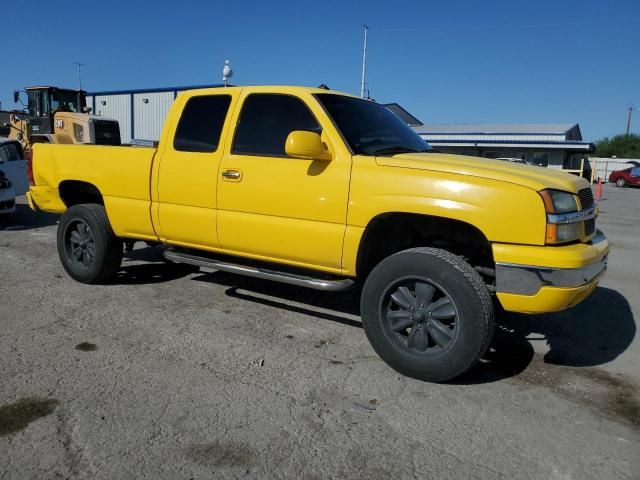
(556, 201)
(561, 228)
(78, 131)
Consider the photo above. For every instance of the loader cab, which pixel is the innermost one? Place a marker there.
(44, 102)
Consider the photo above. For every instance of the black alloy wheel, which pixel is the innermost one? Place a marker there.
(420, 316)
(79, 244)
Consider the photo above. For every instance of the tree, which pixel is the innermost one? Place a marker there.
(622, 146)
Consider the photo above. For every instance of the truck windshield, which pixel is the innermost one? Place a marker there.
(64, 101)
(370, 128)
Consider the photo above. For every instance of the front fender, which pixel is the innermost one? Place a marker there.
(504, 212)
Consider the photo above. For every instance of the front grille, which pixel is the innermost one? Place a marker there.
(586, 198)
(107, 133)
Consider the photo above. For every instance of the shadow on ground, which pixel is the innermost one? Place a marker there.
(154, 269)
(590, 334)
(593, 333)
(333, 306)
(26, 219)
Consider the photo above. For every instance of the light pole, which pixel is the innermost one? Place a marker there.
(364, 63)
(630, 110)
(79, 65)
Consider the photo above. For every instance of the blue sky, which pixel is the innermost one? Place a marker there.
(543, 61)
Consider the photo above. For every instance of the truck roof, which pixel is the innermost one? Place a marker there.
(272, 88)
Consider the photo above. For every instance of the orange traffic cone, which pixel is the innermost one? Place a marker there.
(599, 189)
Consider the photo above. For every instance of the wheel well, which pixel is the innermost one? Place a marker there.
(390, 233)
(73, 192)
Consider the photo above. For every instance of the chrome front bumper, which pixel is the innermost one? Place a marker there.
(529, 279)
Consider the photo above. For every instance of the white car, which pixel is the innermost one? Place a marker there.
(13, 175)
(13, 164)
(7, 196)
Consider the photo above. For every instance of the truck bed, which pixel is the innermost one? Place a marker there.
(121, 174)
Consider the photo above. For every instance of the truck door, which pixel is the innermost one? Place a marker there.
(272, 206)
(188, 170)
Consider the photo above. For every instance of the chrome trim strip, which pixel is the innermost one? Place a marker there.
(573, 217)
(282, 277)
(529, 279)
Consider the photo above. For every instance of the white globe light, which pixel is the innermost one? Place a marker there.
(227, 72)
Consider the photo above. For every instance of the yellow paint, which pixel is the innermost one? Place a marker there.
(561, 256)
(307, 209)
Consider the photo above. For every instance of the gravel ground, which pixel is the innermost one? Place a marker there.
(179, 374)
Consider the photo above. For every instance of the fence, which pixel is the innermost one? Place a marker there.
(602, 167)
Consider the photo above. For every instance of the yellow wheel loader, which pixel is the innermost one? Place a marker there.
(58, 115)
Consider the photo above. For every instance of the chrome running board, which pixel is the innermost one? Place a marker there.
(328, 285)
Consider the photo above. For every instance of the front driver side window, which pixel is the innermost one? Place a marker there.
(267, 120)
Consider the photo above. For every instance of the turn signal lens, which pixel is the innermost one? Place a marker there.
(562, 233)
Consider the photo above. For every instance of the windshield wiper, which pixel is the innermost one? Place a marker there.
(394, 150)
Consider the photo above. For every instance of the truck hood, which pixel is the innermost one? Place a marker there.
(537, 178)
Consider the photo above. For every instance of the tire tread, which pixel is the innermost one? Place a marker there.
(485, 322)
(112, 259)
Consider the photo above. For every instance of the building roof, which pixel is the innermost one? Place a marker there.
(497, 128)
(515, 144)
(405, 116)
(155, 90)
(549, 136)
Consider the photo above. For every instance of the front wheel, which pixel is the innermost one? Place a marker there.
(620, 182)
(88, 249)
(427, 313)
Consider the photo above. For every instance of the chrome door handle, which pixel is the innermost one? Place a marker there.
(231, 174)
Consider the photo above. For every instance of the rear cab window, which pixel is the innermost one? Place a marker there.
(201, 123)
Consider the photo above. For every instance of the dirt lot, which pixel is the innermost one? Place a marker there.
(178, 374)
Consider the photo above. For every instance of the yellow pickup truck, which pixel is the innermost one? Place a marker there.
(324, 190)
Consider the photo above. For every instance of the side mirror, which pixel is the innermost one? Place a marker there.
(86, 110)
(303, 144)
(16, 96)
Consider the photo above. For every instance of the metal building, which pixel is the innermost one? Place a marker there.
(552, 145)
(140, 113)
(557, 146)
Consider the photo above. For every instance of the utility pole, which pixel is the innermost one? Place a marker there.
(364, 63)
(79, 65)
(629, 110)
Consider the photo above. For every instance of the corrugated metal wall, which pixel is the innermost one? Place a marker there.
(119, 108)
(149, 113)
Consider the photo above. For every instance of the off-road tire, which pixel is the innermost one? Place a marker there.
(459, 282)
(107, 248)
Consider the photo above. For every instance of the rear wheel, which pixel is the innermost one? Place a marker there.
(620, 182)
(88, 249)
(427, 313)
